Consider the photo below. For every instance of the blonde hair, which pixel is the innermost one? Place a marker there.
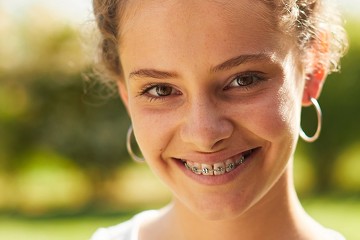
(316, 25)
(319, 30)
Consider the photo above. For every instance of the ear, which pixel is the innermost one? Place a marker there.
(315, 79)
(123, 92)
(313, 84)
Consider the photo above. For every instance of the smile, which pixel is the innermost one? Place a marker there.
(218, 168)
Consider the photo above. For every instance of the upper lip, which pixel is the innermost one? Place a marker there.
(211, 158)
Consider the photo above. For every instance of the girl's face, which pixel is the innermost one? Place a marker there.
(214, 86)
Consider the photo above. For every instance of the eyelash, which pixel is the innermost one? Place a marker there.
(258, 77)
(146, 89)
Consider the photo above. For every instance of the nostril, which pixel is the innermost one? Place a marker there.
(206, 136)
(217, 145)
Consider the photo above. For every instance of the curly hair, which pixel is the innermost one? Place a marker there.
(316, 24)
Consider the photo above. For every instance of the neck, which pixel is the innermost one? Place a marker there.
(277, 215)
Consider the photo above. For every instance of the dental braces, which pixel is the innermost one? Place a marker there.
(218, 170)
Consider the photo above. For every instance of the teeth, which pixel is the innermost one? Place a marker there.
(196, 168)
(240, 160)
(187, 165)
(207, 169)
(230, 165)
(217, 168)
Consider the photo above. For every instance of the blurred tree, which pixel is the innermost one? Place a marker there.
(340, 102)
(45, 102)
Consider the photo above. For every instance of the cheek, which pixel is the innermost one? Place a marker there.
(286, 114)
(281, 115)
(282, 105)
(152, 130)
(272, 120)
(279, 121)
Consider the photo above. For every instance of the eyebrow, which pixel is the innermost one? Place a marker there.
(152, 73)
(236, 61)
(228, 64)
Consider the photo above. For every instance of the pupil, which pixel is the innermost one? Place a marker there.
(244, 81)
(163, 90)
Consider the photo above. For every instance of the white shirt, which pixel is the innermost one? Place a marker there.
(129, 230)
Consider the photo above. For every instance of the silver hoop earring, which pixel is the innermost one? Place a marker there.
(129, 149)
(319, 117)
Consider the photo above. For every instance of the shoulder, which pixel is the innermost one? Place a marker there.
(124, 231)
(335, 235)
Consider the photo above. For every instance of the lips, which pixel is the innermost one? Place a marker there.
(218, 168)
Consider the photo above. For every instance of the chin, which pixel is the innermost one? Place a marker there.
(221, 209)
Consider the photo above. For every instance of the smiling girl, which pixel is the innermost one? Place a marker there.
(214, 90)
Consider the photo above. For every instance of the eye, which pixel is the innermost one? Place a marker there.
(161, 90)
(156, 91)
(246, 80)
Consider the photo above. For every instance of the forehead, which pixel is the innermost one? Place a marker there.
(141, 13)
(203, 28)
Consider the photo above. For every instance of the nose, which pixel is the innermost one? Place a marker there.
(205, 125)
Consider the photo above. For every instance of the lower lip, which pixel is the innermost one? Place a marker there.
(219, 179)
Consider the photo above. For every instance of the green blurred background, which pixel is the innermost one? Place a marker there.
(64, 170)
